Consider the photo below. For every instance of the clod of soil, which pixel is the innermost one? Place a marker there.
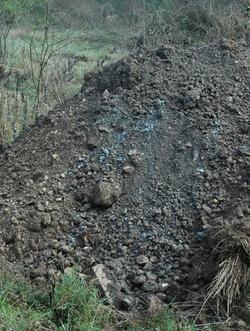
(173, 130)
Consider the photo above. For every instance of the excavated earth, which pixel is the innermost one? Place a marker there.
(133, 173)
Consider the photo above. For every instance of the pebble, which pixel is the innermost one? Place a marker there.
(35, 225)
(129, 170)
(207, 209)
(38, 272)
(244, 128)
(142, 259)
(40, 207)
(46, 219)
(67, 249)
(239, 212)
(139, 280)
(155, 305)
(151, 276)
(150, 286)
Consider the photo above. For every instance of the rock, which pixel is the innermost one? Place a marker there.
(106, 193)
(9, 236)
(155, 305)
(151, 276)
(191, 98)
(46, 220)
(162, 296)
(139, 280)
(35, 225)
(39, 206)
(157, 211)
(185, 261)
(135, 157)
(106, 282)
(105, 94)
(122, 302)
(93, 142)
(103, 129)
(166, 212)
(246, 210)
(129, 170)
(165, 51)
(150, 286)
(189, 144)
(239, 212)
(37, 175)
(142, 259)
(238, 325)
(82, 195)
(38, 272)
(207, 209)
(55, 156)
(244, 128)
(165, 286)
(67, 249)
(93, 139)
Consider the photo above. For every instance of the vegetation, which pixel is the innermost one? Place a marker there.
(69, 305)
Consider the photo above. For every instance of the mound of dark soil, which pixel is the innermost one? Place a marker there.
(134, 172)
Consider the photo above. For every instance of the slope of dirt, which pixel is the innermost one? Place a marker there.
(133, 173)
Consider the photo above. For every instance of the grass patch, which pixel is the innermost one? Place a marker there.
(163, 322)
(70, 305)
(63, 75)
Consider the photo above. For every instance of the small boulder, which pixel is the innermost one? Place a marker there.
(106, 193)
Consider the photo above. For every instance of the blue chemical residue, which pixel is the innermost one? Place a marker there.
(160, 104)
(146, 127)
(149, 127)
(72, 240)
(150, 123)
(143, 236)
(121, 158)
(121, 137)
(82, 227)
(115, 111)
(201, 235)
(81, 164)
(104, 154)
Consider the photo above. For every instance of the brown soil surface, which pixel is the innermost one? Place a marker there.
(134, 172)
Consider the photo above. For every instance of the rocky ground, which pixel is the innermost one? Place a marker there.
(133, 173)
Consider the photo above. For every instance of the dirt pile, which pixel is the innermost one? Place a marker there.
(134, 172)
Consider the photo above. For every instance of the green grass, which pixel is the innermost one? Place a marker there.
(70, 305)
(163, 322)
(63, 79)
